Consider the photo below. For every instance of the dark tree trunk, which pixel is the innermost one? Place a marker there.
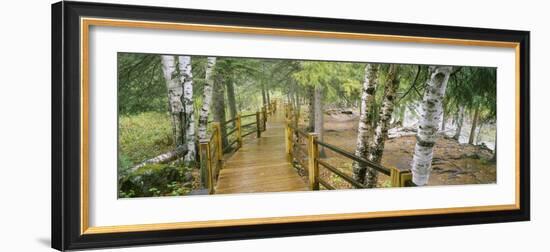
(231, 100)
(494, 158)
(474, 125)
(311, 107)
(267, 95)
(459, 123)
(218, 110)
(478, 136)
(264, 97)
(297, 108)
(319, 120)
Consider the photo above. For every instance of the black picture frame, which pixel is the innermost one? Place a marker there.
(66, 114)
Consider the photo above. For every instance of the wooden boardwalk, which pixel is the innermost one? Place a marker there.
(260, 165)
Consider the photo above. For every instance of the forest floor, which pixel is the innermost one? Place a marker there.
(453, 163)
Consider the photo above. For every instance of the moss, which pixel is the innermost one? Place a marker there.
(155, 180)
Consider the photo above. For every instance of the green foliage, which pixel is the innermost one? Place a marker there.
(155, 180)
(141, 85)
(143, 136)
(473, 87)
(341, 81)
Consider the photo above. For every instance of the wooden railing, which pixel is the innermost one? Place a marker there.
(211, 149)
(211, 157)
(303, 148)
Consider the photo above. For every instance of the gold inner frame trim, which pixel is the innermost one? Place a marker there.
(85, 24)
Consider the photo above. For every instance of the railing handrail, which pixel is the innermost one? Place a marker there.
(299, 131)
(212, 145)
(355, 158)
(398, 177)
(248, 115)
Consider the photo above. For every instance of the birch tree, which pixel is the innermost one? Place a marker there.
(377, 143)
(429, 123)
(175, 93)
(364, 130)
(207, 97)
(186, 78)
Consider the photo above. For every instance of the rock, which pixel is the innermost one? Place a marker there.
(188, 176)
(473, 155)
(151, 178)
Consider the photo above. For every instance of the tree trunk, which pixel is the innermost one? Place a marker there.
(231, 100)
(297, 109)
(267, 95)
(264, 97)
(494, 158)
(218, 109)
(364, 130)
(175, 92)
(163, 158)
(429, 123)
(444, 120)
(478, 135)
(311, 107)
(186, 77)
(376, 147)
(206, 97)
(459, 122)
(319, 120)
(474, 125)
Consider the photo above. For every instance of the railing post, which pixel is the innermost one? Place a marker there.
(206, 167)
(218, 131)
(399, 178)
(239, 131)
(288, 141)
(258, 126)
(313, 165)
(286, 112)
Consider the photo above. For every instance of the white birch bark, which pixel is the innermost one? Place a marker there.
(376, 147)
(206, 98)
(429, 123)
(162, 158)
(186, 78)
(175, 92)
(364, 130)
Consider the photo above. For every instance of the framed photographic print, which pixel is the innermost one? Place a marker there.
(181, 125)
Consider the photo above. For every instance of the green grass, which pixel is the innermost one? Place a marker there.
(143, 136)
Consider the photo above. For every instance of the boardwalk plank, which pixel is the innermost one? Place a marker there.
(261, 165)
